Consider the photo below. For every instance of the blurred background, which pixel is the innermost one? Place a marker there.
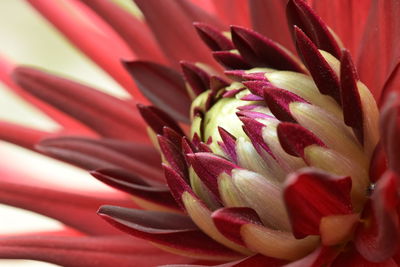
(26, 38)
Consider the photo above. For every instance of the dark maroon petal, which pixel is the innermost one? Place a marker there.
(167, 229)
(230, 220)
(131, 184)
(163, 86)
(107, 115)
(133, 31)
(208, 167)
(390, 130)
(311, 195)
(260, 51)
(91, 155)
(198, 79)
(173, 137)
(253, 130)
(214, 39)
(256, 87)
(173, 155)
(322, 256)
(232, 93)
(378, 238)
(228, 144)
(158, 119)
(177, 184)
(278, 101)
(351, 100)
(88, 251)
(324, 76)
(230, 60)
(301, 15)
(171, 24)
(295, 138)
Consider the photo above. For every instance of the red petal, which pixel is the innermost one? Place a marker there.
(134, 32)
(390, 130)
(171, 231)
(163, 86)
(92, 155)
(171, 23)
(75, 210)
(105, 51)
(264, 14)
(383, 15)
(197, 78)
(391, 85)
(214, 39)
(378, 238)
(20, 135)
(131, 184)
(233, 12)
(107, 251)
(311, 195)
(173, 155)
(322, 256)
(352, 258)
(84, 103)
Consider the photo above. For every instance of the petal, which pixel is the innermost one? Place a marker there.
(172, 232)
(322, 256)
(311, 195)
(107, 251)
(243, 226)
(74, 210)
(91, 155)
(163, 86)
(20, 135)
(264, 14)
(169, 36)
(134, 32)
(157, 197)
(378, 238)
(352, 258)
(106, 52)
(84, 104)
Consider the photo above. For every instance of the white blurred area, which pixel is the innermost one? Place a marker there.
(26, 38)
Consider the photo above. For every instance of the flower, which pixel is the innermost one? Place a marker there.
(287, 162)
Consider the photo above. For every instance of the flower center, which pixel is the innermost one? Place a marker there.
(273, 122)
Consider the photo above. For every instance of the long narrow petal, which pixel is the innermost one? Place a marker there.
(21, 135)
(107, 251)
(134, 32)
(89, 38)
(172, 232)
(84, 103)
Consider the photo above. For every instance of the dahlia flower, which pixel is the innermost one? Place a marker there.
(287, 155)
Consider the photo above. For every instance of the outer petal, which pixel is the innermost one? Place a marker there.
(172, 232)
(311, 195)
(378, 238)
(175, 34)
(107, 251)
(84, 103)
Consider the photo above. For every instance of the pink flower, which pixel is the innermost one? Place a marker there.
(278, 160)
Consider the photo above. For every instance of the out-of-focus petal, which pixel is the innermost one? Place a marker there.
(175, 34)
(352, 258)
(377, 239)
(75, 210)
(233, 12)
(268, 18)
(134, 32)
(107, 251)
(85, 104)
(90, 37)
(21, 135)
(379, 43)
(322, 256)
